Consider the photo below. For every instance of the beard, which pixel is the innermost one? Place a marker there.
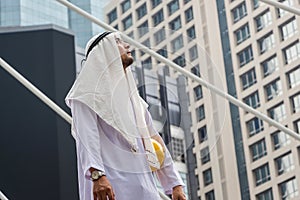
(126, 60)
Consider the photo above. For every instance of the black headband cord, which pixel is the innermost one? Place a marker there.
(96, 41)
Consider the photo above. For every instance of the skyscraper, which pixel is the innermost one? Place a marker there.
(251, 51)
(35, 12)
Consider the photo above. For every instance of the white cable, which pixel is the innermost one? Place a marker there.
(35, 90)
(185, 72)
(282, 6)
(2, 196)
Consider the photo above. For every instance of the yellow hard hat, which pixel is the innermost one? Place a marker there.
(159, 150)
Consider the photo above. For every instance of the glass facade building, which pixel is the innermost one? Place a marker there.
(36, 12)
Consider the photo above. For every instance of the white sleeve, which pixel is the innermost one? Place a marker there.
(87, 138)
(167, 175)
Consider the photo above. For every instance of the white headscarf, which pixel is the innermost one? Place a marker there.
(104, 87)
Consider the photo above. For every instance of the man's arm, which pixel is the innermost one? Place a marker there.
(167, 175)
(88, 148)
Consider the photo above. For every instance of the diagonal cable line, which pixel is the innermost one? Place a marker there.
(277, 4)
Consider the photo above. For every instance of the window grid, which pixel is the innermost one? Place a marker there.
(262, 174)
(207, 177)
(288, 29)
(270, 65)
(278, 112)
(284, 163)
(265, 195)
(294, 77)
(200, 113)
(239, 12)
(280, 139)
(252, 100)
(245, 56)
(248, 78)
(202, 134)
(255, 126)
(273, 89)
(266, 43)
(258, 150)
(263, 20)
(292, 53)
(289, 189)
(242, 34)
(205, 156)
(296, 102)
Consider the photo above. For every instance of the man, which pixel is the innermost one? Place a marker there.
(113, 129)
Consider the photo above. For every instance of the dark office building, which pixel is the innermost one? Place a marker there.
(37, 152)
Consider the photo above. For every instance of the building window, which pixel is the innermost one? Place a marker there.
(155, 3)
(185, 1)
(294, 77)
(158, 17)
(173, 6)
(248, 78)
(281, 12)
(292, 52)
(177, 43)
(297, 126)
(191, 33)
(296, 103)
(289, 189)
(245, 56)
(202, 134)
(255, 4)
(242, 34)
(146, 43)
(205, 157)
(193, 51)
(125, 5)
(207, 177)
(141, 11)
(180, 60)
(163, 52)
(255, 126)
(258, 150)
(195, 70)
(273, 89)
(284, 163)
(112, 16)
(263, 20)
(252, 100)
(270, 65)
(278, 112)
(200, 113)
(160, 35)
(280, 139)
(210, 195)
(178, 150)
(288, 29)
(266, 43)
(127, 22)
(198, 92)
(265, 195)
(189, 15)
(262, 174)
(143, 29)
(239, 12)
(147, 63)
(175, 24)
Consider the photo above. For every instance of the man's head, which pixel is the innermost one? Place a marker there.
(125, 52)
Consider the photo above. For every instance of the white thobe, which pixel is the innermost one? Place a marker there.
(102, 147)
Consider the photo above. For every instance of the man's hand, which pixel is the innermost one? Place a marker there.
(103, 189)
(178, 193)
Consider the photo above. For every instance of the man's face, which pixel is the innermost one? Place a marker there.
(125, 52)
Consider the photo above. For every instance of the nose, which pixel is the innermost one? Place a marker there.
(126, 45)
